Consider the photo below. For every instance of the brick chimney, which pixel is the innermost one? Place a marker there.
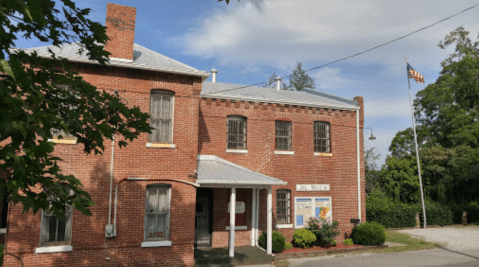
(120, 23)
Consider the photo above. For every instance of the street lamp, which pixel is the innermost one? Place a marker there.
(372, 136)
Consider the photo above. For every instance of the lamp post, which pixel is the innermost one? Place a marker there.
(372, 136)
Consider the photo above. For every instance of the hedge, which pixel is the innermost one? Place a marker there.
(436, 214)
(397, 216)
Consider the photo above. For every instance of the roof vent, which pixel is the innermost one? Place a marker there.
(278, 83)
(213, 75)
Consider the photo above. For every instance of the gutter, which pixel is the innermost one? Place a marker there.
(358, 164)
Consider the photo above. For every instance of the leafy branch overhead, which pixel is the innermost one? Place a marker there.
(41, 95)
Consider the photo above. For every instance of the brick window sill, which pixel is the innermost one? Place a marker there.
(244, 227)
(63, 141)
(53, 249)
(155, 145)
(150, 244)
(323, 154)
(284, 226)
(240, 151)
(283, 152)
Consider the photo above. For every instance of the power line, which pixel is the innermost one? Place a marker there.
(365, 51)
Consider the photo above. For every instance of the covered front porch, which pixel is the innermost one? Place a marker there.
(228, 203)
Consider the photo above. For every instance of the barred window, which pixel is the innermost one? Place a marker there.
(283, 135)
(157, 212)
(322, 139)
(283, 206)
(236, 136)
(54, 232)
(161, 116)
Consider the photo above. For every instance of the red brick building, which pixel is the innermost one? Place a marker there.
(280, 156)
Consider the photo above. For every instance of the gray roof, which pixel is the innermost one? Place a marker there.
(217, 171)
(306, 97)
(143, 58)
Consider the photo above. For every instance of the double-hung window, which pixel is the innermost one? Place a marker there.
(59, 135)
(236, 135)
(283, 135)
(283, 206)
(161, 116)
(322, 140)
(56, 232)
(157, 212)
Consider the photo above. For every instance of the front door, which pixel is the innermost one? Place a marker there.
(203, 222)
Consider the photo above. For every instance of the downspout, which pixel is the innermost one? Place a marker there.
(142, 179)
(108, 227)
(359, 165)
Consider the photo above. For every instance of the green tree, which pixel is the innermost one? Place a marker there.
(373, 178)
(300, 79)
(32, 105)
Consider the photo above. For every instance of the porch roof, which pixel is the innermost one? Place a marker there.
(217, 171)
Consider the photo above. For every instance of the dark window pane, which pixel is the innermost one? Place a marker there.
(322, 141)
(236, 132)
(283, 135)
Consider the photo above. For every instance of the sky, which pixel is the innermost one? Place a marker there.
(249, 40)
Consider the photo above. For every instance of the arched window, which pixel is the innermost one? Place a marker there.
(236, 132)
(322, 137)
(283, 206)
(161, 116)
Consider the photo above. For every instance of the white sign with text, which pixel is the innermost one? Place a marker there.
(312, 187)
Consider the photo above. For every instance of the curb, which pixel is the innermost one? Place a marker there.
(323, 253)
(429, 226)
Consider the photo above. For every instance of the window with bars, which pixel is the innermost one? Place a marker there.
(53, 231)
(157, 212)
(322, 139)
(161, 116)
(283, 135)
(236, 135)
(283, 206)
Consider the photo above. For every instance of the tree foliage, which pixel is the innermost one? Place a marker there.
(272, 83)
(32, 104)
(300, 79)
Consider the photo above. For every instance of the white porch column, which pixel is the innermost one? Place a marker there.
(257, 217)
(253, 218)
(232, 221)
(269, 239)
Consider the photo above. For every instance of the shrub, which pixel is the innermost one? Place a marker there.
(436, 214)
(393, 216)
(369, 233)
(278, 241)
(348, 242)
(324, 231)
(303, 238)
(334, 243)
(288, 245)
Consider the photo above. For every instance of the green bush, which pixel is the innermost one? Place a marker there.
(303, 238)
(436, 214)
(334, 243)
(394, 216)
(324, 231)
(278, 241)
(369, 234)
(348, 242)
(288, 245)
(472, 209)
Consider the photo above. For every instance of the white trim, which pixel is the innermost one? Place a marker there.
(122, 60)
(150, 244)
(283, 152)
(244, 151)
(53, 249)
(241, 227)
(229, 184)
(155, 145)
(3, 230)
(284, 226)
(63, 141)
(323, 154)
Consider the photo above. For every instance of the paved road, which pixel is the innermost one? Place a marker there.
(462, 249)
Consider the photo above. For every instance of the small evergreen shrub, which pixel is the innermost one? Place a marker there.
(303, 238)
(288, 245)
(278, 241)
(324, 231)
(369, 234)
(348, 242)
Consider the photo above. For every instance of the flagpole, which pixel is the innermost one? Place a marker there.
(417, 150)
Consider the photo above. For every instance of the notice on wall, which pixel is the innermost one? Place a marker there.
(322, 208)
(240, 207)
(303, 210)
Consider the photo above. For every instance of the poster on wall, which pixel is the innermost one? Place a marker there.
(308, 207)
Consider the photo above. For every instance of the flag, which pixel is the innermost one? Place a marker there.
(411, 73)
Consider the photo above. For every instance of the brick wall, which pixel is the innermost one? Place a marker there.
(90, 247)
(120, 23)
(338, 170)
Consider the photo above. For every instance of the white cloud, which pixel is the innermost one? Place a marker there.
(279, 33)
(387, 108)
(331, 79)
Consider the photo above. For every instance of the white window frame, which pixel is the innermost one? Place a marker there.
(288, 205)
(313, 200)
(64, 246)
(158, 242)
(172, 112)
(244, 120)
